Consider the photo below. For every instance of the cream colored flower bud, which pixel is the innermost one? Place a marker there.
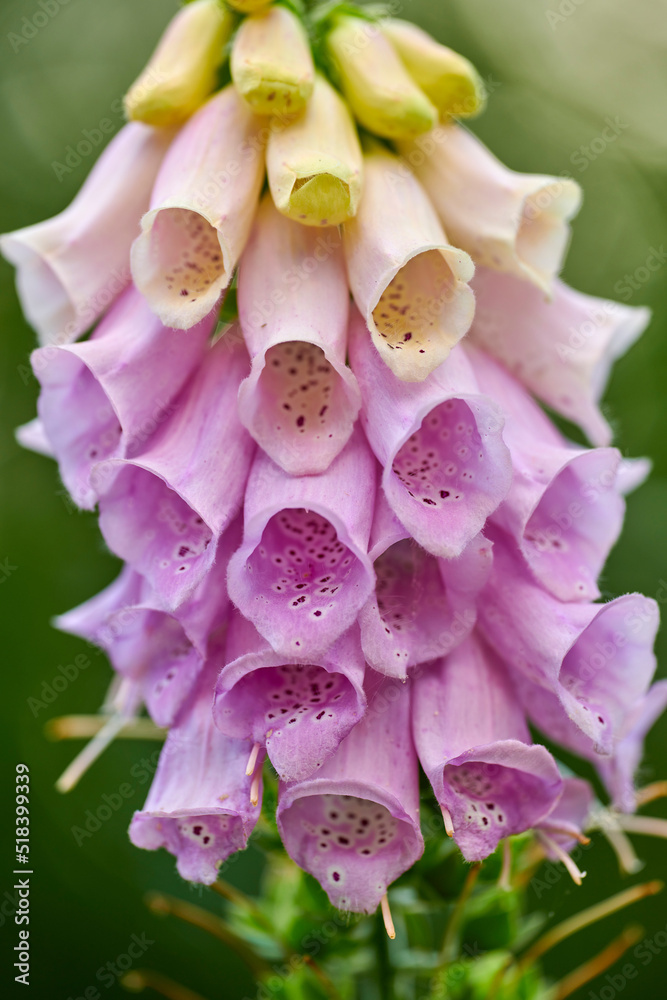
(248, 6)
(271, 64)
(182, 71)
(449, 80)
(314, 163)
(378, 88)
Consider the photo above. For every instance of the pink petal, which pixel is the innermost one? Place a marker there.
(355, 826)
(300, 400)
(473, 744)
(445, 466)
(105, 397)
(198, 806)
(201, 212)
(164, 510)
(302, 572)
(71, 267)
(563, 510)
(562, 350)
(299, 711)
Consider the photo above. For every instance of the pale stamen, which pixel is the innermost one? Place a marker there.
(76, 770)
(505, 877)
(386, 916)
(574, 872)
(252, 760)
(254, 788)
(447, 817)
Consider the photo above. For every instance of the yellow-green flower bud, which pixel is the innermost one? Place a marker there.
(248, 6)
(271, 64)
(182, 71)
(449, 80)
(314, 163)
(378, 88)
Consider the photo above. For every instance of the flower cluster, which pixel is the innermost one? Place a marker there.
(353, 541)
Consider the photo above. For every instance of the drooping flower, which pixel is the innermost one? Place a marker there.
(199, 805)
(314, 163)
(299, 711)
(300, 400)
(449, 80)
(445, 465)
(164, 509)
(103, 398)
(473, 743)
(422, 606)
(409, 284)
(183, 69)
(564, 509)
(302, 572)
(382, 95)
(562, 351)
(72, 267)
(514, 223)
(201, 212)
(595, 660)
(354, 825)
(271, 64)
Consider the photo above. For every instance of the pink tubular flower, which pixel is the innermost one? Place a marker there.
(105, 397)
(299, 711)
(300, 400)
(302, 572)
(422, 606)
(198, 806)
(595, 659)
(165, 509)
(563, 510)
(514, 223)
(439, 443)
(561, 350)
(409, 284)
(473, 744)
(201, 212)
(72, 266)
(355, 825)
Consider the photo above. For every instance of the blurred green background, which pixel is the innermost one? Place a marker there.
(557, 70)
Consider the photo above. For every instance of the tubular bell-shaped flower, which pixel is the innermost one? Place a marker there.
(164, 510)
(409, 284)
(445, 466)
(474, 745)
(561, 350)
(300, 400)
(314, 163)
(302, 572)
(71, 267)
(515, 223)
(143, 643)
(201, 212)
(271, 64)
(355, 825)
(597, 659)
(182, 71)
(563, 510)
(103, 398)
(198, 806)
(378, 88)
(449, 80)
(299, 711)
(422, 606)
